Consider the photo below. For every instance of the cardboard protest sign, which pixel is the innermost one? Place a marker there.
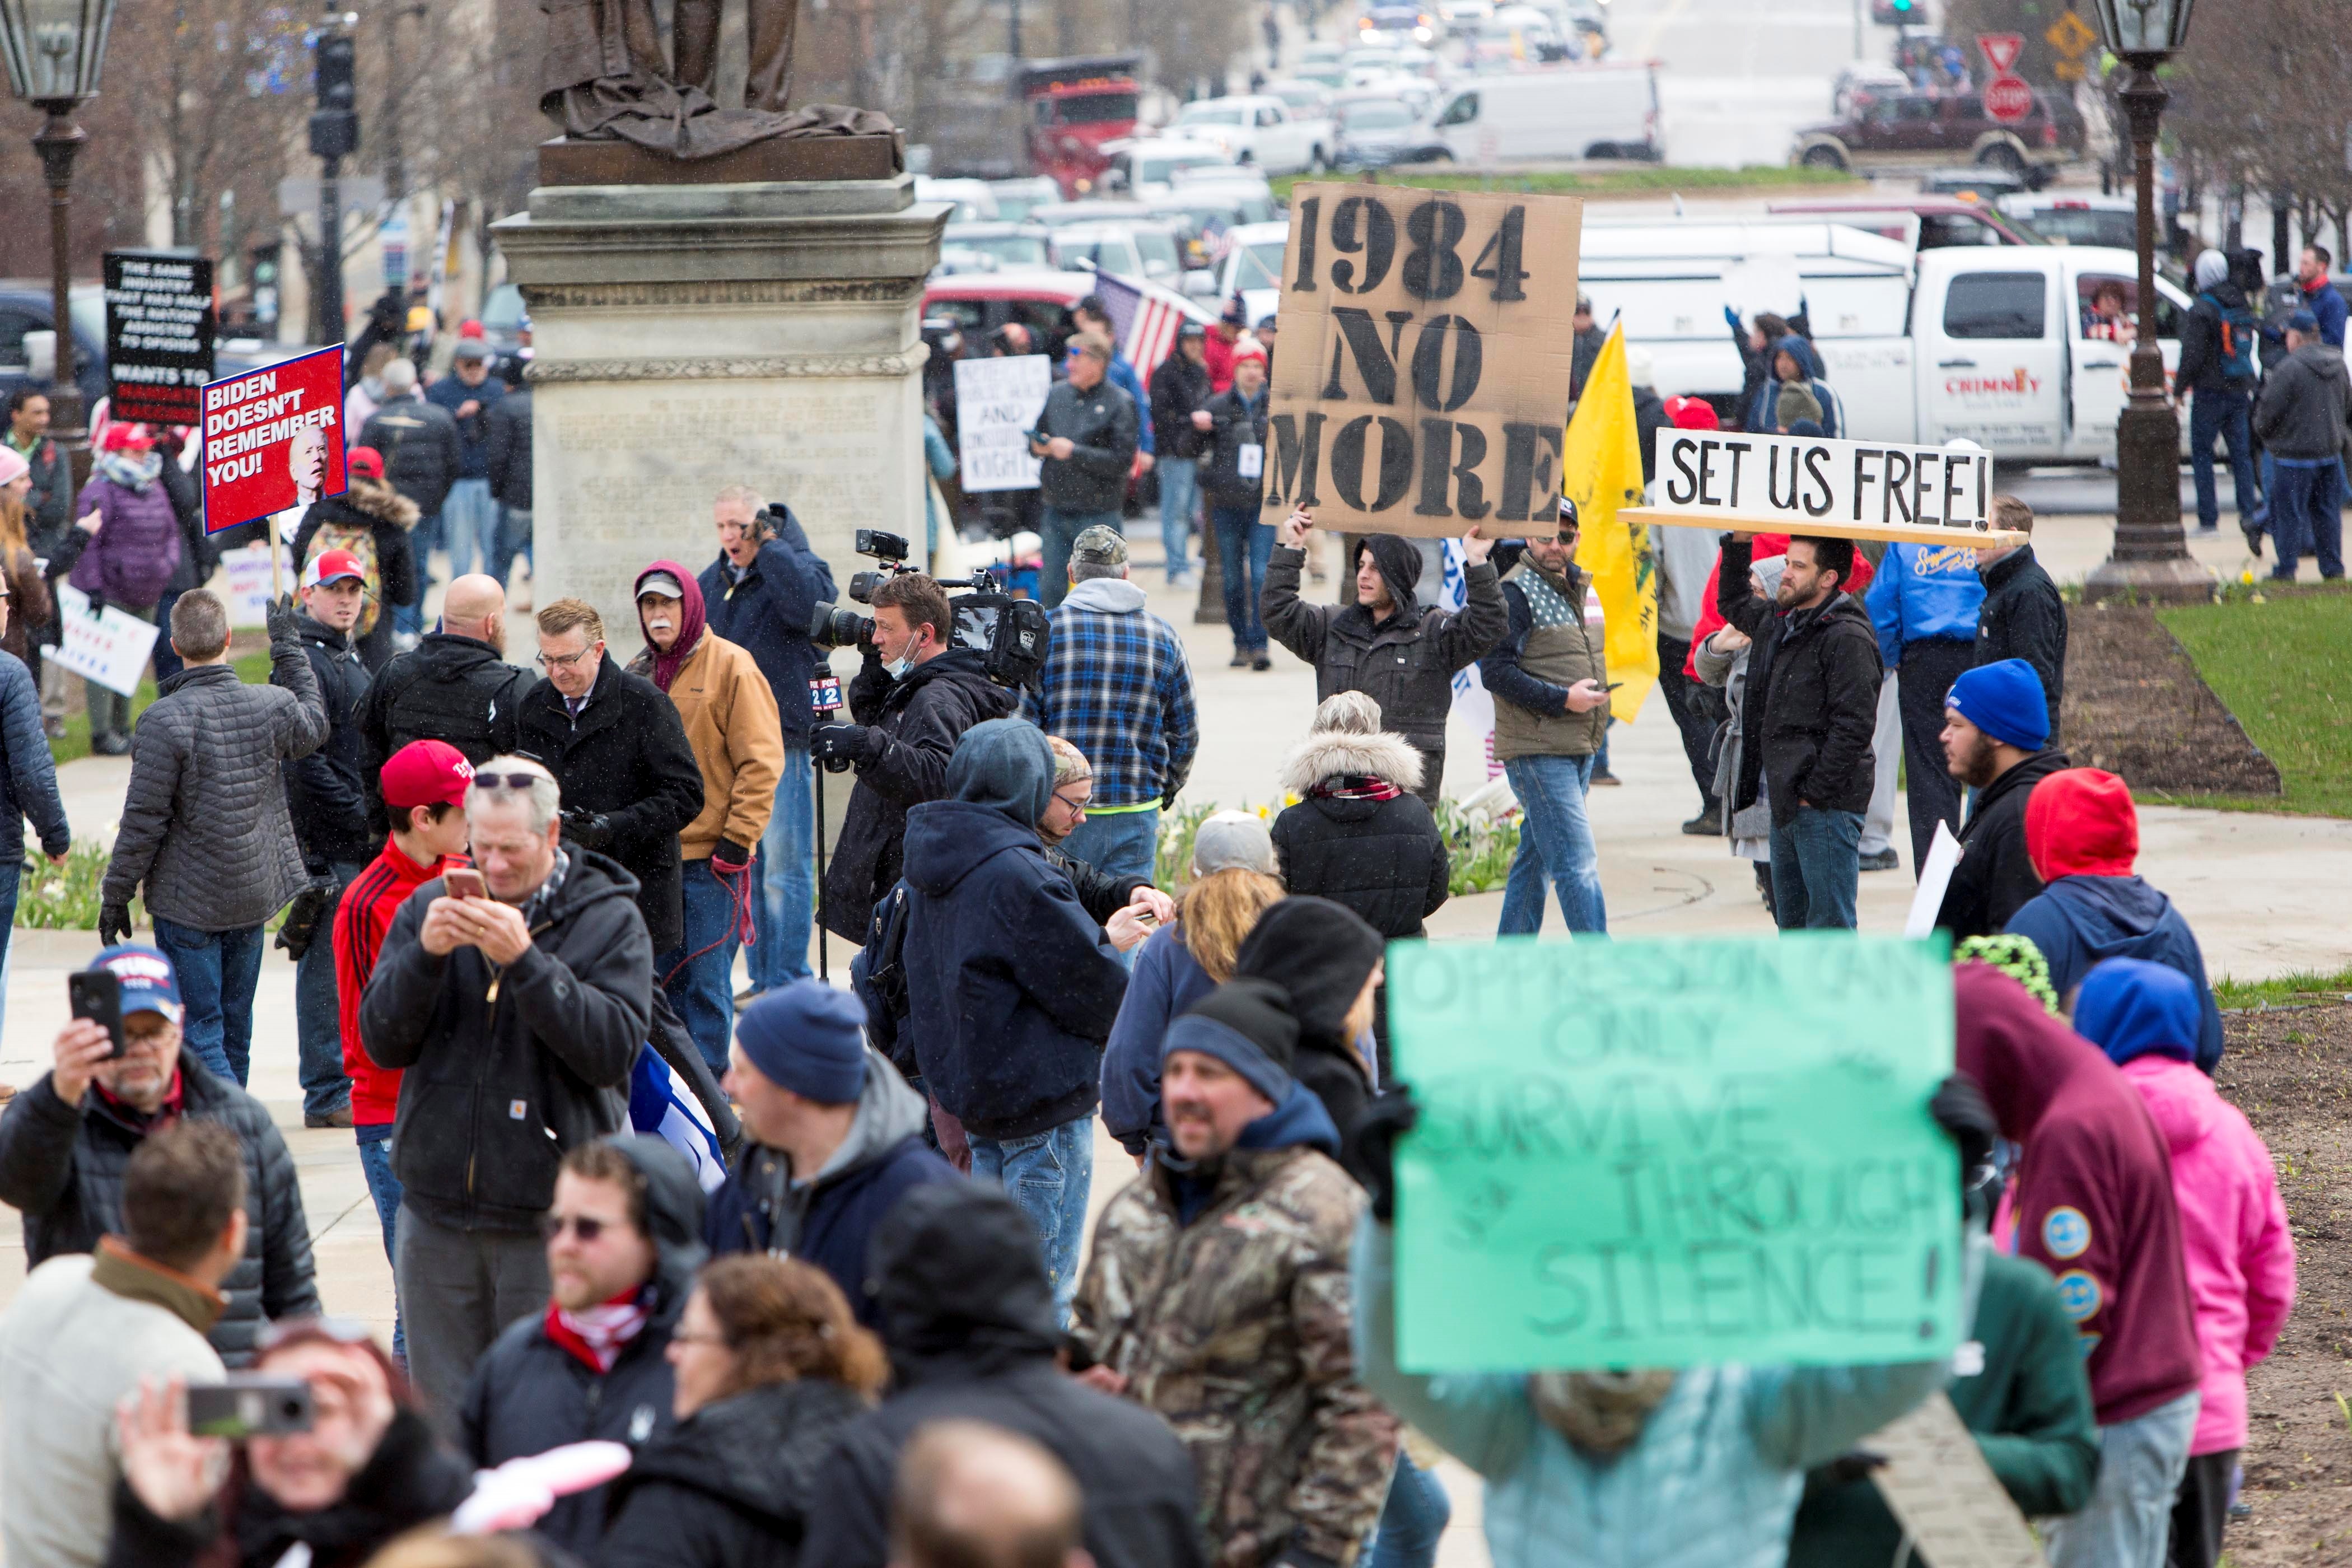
(997, 404)
(273, 438)
(1811, 485)
(1669, 1153)
(111, 649)
(1426, 343)
(159, 336)
(1940, 1489)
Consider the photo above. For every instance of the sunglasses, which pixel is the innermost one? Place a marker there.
(507, 781)
(582, 1225)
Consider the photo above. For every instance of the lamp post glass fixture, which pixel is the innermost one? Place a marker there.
(2152, 556)
(54, 50)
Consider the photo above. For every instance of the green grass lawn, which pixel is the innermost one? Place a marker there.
(1638, 179)
(252, 668)
(2281, 664)
(2304, 986)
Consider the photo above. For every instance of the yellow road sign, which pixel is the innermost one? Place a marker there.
(2066, 70)
(2070, 35)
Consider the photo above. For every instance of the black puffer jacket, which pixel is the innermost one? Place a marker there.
(1382, 858)
(410, 1479)
(528, 1394)
(969, 1323)
(1818, 673)
(325, 791)
(387, 515)
(731, 1486)
(919, 718)
(626, 758)
(1406, 663)
(1235, 422)
(1104, 427)
(204, 825)
(2023, 617)
(447, 688)
(1179, 389)
(1995, 877)
(555, 1034)
(62, 1166)
(509, 448)
(419, 443)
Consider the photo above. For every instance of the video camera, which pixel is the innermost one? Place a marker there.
(1009, 633)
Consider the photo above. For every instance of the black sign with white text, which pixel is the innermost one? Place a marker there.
(159, 336)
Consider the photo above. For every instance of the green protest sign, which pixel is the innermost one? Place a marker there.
(1671, 1153)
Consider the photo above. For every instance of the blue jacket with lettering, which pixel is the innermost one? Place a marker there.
(1924, 591)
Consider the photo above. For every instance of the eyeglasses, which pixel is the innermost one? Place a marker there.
(565, 660)
(1077, 806)
(507, 781)
(585, 1226)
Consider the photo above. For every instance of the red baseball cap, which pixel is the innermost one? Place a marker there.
(426, 773)
(332, 566)
(364, 462)
(471, 328)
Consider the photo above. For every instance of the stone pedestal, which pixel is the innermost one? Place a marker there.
(692, 336)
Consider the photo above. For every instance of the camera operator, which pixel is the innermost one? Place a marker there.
(912, 700)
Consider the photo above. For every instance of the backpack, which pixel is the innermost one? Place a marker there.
(2240, 334)
(878, 976)
(360, 541)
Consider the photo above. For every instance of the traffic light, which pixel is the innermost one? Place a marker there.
(335, 127)
(1903, 7)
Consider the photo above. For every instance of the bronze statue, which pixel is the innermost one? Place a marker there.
(606, 79)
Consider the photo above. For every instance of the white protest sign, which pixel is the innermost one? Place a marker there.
(997, 404)
(1946, 1497)
(249, 584)
(1935, 876)
(111, 649)
(1808, 485)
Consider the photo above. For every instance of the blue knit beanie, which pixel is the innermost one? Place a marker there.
(2006, 701)
(810, 1038)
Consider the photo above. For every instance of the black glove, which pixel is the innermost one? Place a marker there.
(841, 743)
(113, 924)
(1168, 801)
(98, 605)
(1855, 1465)
(588, 829)
(283, 618)
(729, 857)
(1371, 1145)
(305, 915)
(1959, 1109)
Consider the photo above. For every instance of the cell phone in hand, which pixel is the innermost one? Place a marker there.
(97, 995)
(248, 1405)
(464, 882)
(1146, 919)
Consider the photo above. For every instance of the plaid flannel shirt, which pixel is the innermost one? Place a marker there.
(1118, 687)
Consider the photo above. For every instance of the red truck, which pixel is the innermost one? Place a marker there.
(1075, 106)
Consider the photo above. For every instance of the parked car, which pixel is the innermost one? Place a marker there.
(1017, 198)
(1258, 130)
(1253, 267)
(25, 307)
(1305, 98)
(972, 199)
(1374, 128)
(1462, 15)
(1924, 223)
(1319, 62)
(1608, 110)
(1146, 168)
(1130, 248)
(1972, 182)
(1929, 130)
(1397, 23)
(979, 303)
(992, 248)
(2073, 219)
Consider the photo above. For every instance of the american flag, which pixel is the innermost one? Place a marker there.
(1146, 317)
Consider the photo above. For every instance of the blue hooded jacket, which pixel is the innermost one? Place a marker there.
(2130, 1007)
(767, 614)
(1012, 987)
(1167, 980)
(2079, 921)
(1923, 592)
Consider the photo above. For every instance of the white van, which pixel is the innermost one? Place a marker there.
(1548, 114)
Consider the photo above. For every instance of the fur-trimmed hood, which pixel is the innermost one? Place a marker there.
(376, 497)
(1327, 754)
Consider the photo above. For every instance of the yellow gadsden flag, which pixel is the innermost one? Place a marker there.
(1601, 471)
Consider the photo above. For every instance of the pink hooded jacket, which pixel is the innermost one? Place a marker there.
(2234, 1242)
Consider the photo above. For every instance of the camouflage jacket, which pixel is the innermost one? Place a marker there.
(1235, 1329)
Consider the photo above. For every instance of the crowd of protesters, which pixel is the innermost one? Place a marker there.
(803, 1274)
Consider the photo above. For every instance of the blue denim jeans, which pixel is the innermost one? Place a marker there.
(167, 663)
(2129, 1517)
(12, 877)
(699, 987)
(2223, 415)
(1179, 494)
(1555, 844)
(1816, 865)
(219, 972)
(383, 1187)
(787, 878)
(1412, 1521)
(2307, 515)
(1050, 1174)
(1122, 844)
(430, 533)
(318, 1013)
(1242, 540)
(1056, 531)
(471, 521)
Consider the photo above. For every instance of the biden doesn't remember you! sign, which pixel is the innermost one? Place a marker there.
(1427, 338)
(273, 438)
